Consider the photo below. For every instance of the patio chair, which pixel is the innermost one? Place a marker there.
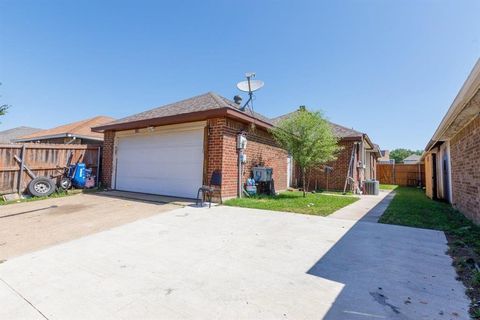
(215, 181)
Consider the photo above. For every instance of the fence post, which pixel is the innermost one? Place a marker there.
(20, 172)
(393, 172)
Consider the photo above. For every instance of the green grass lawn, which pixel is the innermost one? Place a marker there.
(313, 203)
(388, 186)
(410, 207)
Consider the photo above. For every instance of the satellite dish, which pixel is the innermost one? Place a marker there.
(254, 85)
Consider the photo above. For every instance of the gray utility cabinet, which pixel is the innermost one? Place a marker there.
(372, 187)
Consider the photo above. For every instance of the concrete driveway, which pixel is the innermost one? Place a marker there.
(235, 263)
(30, 226)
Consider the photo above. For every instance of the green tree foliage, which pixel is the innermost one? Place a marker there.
(400, 154)
(309, 139)
(3, 107)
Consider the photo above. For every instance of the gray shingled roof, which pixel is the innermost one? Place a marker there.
(211, 101)
(8, 136)
(207, 101)
(413, 157)
(338, 130)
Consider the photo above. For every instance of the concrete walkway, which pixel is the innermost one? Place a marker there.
(235, 263)
(368, 208)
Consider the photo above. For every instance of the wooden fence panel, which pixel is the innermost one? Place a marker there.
(401, 174)
(43, 160)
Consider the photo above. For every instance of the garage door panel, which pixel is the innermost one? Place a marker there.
(160, 175)
(168, 163)
(177, 159)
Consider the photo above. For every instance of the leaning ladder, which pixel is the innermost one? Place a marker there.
(350, 168)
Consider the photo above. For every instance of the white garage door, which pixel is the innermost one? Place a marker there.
(166, 163)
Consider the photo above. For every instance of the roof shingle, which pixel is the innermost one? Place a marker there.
(8, 136)
(212, 101)
(80, 128)
(204, 102)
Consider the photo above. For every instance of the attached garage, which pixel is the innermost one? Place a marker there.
(165, 160)
(172, 150)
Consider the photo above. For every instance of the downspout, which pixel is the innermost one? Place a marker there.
(241, 146)
(239, 176)
(449, 168)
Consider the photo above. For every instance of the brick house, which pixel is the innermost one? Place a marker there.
(10, 135)
(174, 149)
(452, 156)
(365, 155)
(79, 132)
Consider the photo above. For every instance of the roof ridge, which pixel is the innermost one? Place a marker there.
(345, 127)
(199, 103)
(218, 99)
(178, 102)
(82, 123)
(283, 115)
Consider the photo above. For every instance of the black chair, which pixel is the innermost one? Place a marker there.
(215, 181)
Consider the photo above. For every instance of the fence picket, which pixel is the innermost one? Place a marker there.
(43, 160)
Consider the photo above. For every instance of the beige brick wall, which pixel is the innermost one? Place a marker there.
(465, 160)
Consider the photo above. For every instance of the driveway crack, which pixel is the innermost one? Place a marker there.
(26, 300)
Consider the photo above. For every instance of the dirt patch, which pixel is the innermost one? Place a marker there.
(67, 209)
(466, 262)
(30, 226)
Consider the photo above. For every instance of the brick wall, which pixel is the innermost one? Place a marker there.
(221, 154)
(336, 178)
(261, 150)
(214, 146)
(107, 158)
(465, 160)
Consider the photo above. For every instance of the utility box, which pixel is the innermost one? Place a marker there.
(241, 142)
(372, 187)
(262, 174)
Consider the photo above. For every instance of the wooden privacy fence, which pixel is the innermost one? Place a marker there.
(411, 175)
(42, 160)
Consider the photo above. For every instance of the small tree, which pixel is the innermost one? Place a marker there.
(309, 139)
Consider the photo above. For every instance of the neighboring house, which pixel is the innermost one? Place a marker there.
(9, 136)
(365, 155)
(385, 157)
(412, 159)
(452, 157)
(79, 132)
(174, 149)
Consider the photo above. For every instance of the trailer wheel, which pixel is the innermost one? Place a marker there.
(65, 183)
(41, 187)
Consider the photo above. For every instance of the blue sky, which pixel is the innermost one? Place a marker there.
(387, 68)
